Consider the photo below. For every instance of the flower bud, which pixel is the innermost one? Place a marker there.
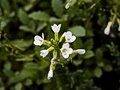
(50, 74)
(107, 29)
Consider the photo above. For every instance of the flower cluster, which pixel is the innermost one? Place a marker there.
(54, 45)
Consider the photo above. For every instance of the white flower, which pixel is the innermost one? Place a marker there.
(44, 53)
(56, 28)
(39, 40)
(68, 37)
(107, 29)
(80, 51)
(65, 50)
(50, 74)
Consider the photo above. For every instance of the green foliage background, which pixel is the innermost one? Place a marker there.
(21, 66)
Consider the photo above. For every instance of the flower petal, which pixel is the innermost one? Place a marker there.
(66, 45)
(70, 50)
(50, 74)
(65, 55)
(68, 37)
(80, 51)
(56, 28)
(72, 39)
(37, 37)
(44, 53)
(59, 26)
(36, 42)
(65, 50)
(107, 31)
(68, 33)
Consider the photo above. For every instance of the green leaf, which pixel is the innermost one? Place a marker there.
(28, 82)
(27, 29)
(77, 62)
(5, 5)
(23, 17)
(8, 73)
(18, 86)
(57, 6)
(101, 19)
(4, 54)
(98, 54)
(15, 79)
(28, 7)
(89, 54)
(78, 31)
(3, 24)
(28, 73)
(89, 44)
(25, 73)
(7, 66)
(43, 65)
(107, 67)
(21, 44)
(98, 72)
(53, 19)
(26, 57)
(39, 15)
(78, 43)
(40, 66)
(43, 80)
(2, 88)
(32, 66)
(87, 1)
(41, 26)
(89, 32)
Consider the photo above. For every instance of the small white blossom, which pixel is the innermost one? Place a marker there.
(56, 28)
(44, 53)
(39, 40)
(80, 51)
(50, 74)
(68, 37)
(65, 50)
(107, 29)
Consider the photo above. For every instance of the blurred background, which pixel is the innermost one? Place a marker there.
(22, 67)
